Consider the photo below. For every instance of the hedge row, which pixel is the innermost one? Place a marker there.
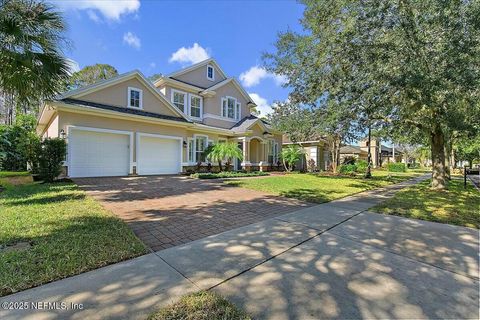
(228, 174)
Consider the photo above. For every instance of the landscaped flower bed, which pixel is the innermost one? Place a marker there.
(228, 174)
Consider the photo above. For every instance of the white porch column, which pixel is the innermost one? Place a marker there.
(263, 164)
(246, 152)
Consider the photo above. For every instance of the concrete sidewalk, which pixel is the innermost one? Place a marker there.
(328, 261)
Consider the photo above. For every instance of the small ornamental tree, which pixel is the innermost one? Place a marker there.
(224, 151)
(290, 155)
(53, 151)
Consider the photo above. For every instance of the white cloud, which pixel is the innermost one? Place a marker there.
(132, 40)
(72, 66)
(191, 55)
(255, 74)
(93, 16)
(110, 9)
(262, 104)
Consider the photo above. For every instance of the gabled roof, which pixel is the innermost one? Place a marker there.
(237, 85)
(180, 83)
(350, 149)
(122, 109)
(197, 65)
(247, 122)
(78, 93)
(312, 139)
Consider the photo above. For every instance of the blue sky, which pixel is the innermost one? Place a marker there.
(163, 36)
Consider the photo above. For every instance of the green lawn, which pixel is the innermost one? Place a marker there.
(52, 231)
(203, 305)
(320, 188)
(453, 206)
(6, 174)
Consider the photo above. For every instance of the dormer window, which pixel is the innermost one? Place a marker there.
(210, 73)
(135, 98)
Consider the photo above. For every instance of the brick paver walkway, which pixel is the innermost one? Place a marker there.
(165, 211)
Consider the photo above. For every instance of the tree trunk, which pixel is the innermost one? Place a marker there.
(438, 159)
(452, 158)
(448, 163)
(368, 174)
(335, 154)
(220, 165)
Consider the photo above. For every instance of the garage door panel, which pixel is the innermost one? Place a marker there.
(95, 154)
(158, 155)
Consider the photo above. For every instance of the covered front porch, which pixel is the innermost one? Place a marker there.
(259, 154)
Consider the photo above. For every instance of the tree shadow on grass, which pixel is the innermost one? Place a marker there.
(65, 248)
(38, 194)
(309, 195)
(447, 206)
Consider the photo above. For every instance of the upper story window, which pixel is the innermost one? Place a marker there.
(190, 104)
(195, 106)
(135, 98)
(231, 108)
(210, 72)
(179, 99)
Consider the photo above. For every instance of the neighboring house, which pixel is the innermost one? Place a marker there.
(380, 153)
(314, 149)
(352, 151)
(127, 125)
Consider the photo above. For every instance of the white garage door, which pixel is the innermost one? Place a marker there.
(158, 155)
(96, 154)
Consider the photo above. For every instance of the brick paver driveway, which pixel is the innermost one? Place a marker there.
(165, 211)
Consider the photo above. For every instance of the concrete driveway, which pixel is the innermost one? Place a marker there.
(166, 211)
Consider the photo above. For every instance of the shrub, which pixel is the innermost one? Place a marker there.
(347, 168)
(16, 143)
(349, 160)
(52, 155)
(312, 166)
(362, 166)
(228, 174)
(396, 167)
(413, 165)
(290, 155)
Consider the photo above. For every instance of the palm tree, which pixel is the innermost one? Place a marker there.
(290, 155)
(224, 151)
(32, 64)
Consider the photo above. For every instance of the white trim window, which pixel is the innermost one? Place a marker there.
(275, 153)
(200, 145)
(270, 151)
(238, 107)
(196, 106)
(179, 99)
(210, 72)
(230, 108)
(191, 150)
(135, 98)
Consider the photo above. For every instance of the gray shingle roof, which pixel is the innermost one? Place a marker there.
(245, 123)
(350, 149)
(122, 109)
